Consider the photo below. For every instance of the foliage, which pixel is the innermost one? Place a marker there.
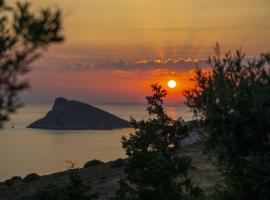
(51, 191)
(118, 163)
(74, 189)
(31, 177)
(12, 181)
(23, 36)
(154, 168)
(233, 102)
(92, 163)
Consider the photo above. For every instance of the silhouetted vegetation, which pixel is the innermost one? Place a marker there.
(73, 189)
(12, 181)
(154, 168)
(31, 177)
(23, 36)
(233, 102)
(92, 163)
(118, 163)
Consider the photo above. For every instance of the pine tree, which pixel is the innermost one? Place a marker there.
(233, 102)
(155, 170)
(23, 37)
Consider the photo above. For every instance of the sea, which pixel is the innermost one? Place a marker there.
(24, 150)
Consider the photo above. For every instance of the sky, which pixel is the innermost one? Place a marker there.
(115, 49)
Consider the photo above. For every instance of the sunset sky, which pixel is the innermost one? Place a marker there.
(115, 49)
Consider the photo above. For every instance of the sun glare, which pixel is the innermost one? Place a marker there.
(172, 83)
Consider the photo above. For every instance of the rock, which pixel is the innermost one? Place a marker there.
(75, 115)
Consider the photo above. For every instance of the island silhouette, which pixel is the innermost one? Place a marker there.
(75, 115)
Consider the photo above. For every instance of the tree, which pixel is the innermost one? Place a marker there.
(233, 102)
(23, 36)
(154, 168)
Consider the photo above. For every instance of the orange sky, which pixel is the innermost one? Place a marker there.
(115, 49)
(115, 86)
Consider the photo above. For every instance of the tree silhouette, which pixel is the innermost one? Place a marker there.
(155, 170)
(233, 102)
(23, 37)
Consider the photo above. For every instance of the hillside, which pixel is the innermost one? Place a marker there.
(103, 178)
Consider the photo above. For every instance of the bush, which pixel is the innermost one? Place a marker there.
(49, 192)
(118, 163)
(74, 189)
(233, 102)
(12, 181)
(31, 177)
(92, 163)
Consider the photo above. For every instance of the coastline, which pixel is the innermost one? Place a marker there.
(103, 178)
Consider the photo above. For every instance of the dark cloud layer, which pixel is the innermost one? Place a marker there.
(180, 64)
(177, 65)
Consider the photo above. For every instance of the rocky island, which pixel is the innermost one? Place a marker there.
(75, 115)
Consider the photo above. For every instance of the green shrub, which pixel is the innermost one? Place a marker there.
(31, 177)
(92, 163)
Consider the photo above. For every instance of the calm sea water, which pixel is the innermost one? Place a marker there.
(24, 150)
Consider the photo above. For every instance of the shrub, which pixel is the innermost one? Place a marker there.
(50, 192)
(31, 177)
(74, 189)
(12, 181)
(92, 163)
(118, 163)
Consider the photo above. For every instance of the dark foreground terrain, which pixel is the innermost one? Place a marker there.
(103, 178)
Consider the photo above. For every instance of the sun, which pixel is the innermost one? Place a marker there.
(172, 83)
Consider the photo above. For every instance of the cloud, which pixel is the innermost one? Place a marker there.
(178, 65)
(155, 65)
